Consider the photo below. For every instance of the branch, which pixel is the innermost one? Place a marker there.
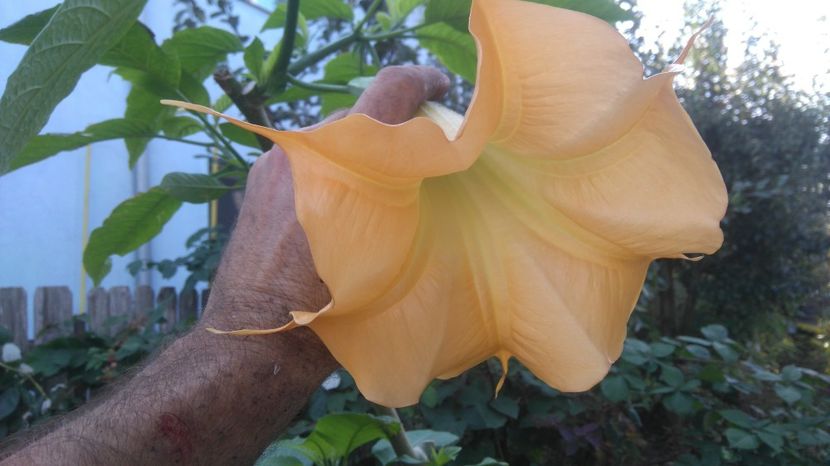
(249, 103)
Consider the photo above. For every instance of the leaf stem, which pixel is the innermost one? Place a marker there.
(373, 8)
(321, 87)
(186, 141)
(393, 34)
(307, 60)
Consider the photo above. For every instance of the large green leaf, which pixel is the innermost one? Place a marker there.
(143, 102)
(76, 37)
(345, 67)
(201, 49)
(46, 145)
(24, 31)
(338, 435)
(313, 9)
(195, 188)
(138, 50)
(455, 49)
(455, 13)
(131, 224)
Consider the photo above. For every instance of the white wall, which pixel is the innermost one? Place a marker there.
(41, 206)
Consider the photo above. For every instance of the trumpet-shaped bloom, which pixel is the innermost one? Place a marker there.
(521, 230)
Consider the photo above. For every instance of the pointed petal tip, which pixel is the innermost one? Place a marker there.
(249, 332)
(504, 359)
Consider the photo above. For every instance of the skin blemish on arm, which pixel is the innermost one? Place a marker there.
(176, 432)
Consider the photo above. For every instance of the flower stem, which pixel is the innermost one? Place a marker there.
(399, 441)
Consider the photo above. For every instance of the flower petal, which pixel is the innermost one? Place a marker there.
(613, 152)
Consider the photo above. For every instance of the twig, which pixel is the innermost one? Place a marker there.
(250, 103)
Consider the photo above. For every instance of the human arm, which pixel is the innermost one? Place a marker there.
(219, 399)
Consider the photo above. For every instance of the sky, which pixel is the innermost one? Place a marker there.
(800, 27)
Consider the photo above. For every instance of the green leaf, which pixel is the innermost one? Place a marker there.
(384, 452)
(254, 57)
(455, 13)
(456, 50)
(331, 101)
(773, 440)
(76, 37)
(679, 403)
(277, 21)
(180, 126)
(614, 388)
(143, 102)
(737, 417)
(23, 32)
(787, 393)
(671, 375)
(715, 332)
(9, 400)
(399, 10)
(725, 352)
(345, 67)
(741, 439)
(47, 145)
(506, 405)
(661, 350)
(313, 9)
(201, 49)
(138, 50)
(699, 352)
(131, 224)
(341, 434)
(791, 373)
(195, 188)
(284, 453)
(239, 135)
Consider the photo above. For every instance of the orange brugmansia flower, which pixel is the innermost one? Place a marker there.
(523, 229)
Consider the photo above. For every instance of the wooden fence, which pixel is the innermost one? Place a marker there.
(53, 310)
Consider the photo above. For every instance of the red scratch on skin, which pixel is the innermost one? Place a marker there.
(178, 434)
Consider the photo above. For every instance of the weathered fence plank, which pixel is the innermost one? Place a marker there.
(187, 306)
(120, 303)
(13, 315)
(167, 300)
(97, 310)
(144, 299)
(53, 307)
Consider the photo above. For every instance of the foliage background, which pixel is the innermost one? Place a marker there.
(727, 359)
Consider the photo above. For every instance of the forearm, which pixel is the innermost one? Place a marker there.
(207, 399)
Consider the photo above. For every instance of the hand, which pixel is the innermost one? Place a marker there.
(267, 267)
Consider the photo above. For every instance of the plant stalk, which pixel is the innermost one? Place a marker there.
(399, 441)
(277, 79)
